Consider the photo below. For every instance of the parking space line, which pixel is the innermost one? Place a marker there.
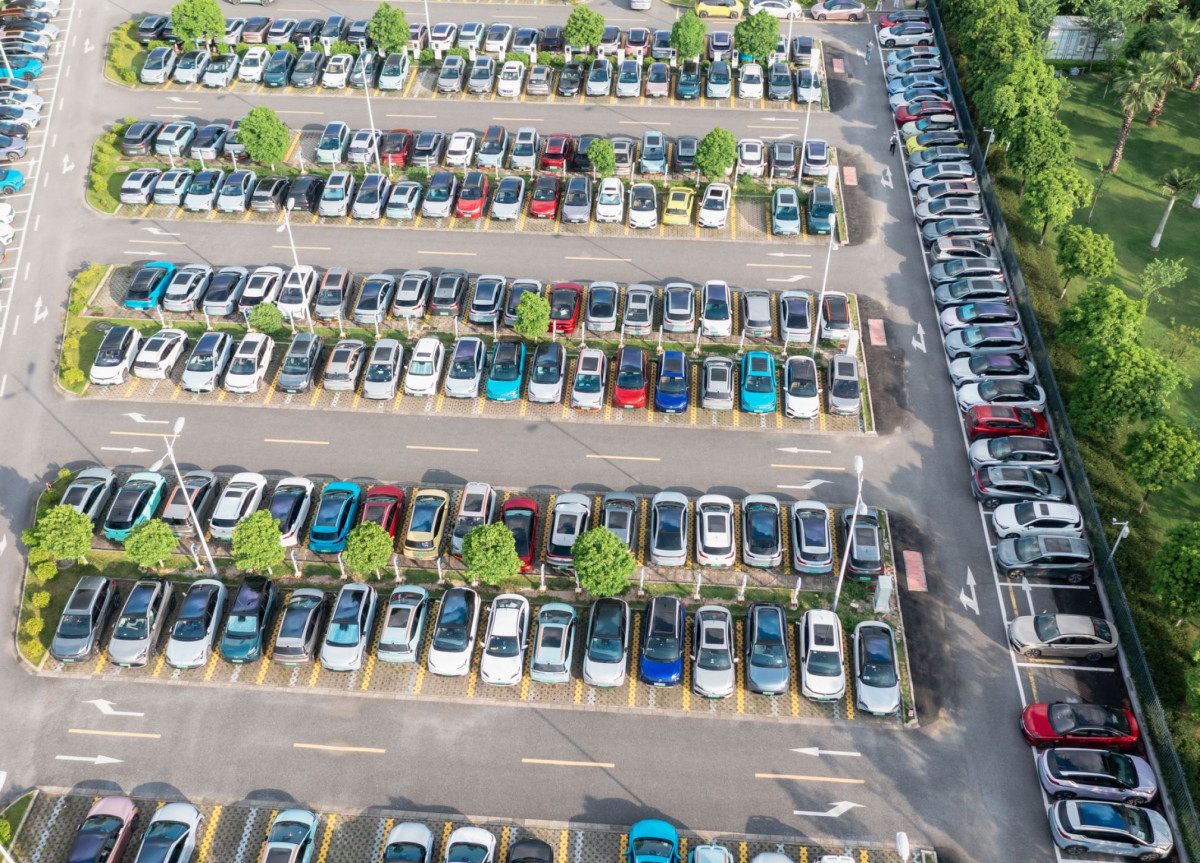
(328, 747)
(327, 835)
(473, 671)
(446, 830)
(265, 662)
(100, 660)
(562, 845)
(206, 843)
(849, 675)
(793, 675)
(366, 681)
(863, 856)
(552, 762)
(99, 732)
(158, 666)
(420, 681)
(636, 640)
(212, 666)
(800, 778)
(741, 671)
(313, 675)
(686, 694)
(1056, 665)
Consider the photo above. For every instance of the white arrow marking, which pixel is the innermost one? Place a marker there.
(786, 255)
(68, 165)
(811, 484)
(839, 809)
(106, 707)
(795, 450)
(141, 418)
(97, 759)
(180, 101)
(159, 232)
(88, 47)
(970, 602)
(814, 750)
(1028, 588)
(3, 779)
(918, 341)
(40, 312)
(778, 120)
(791, 279)
(129, 449)
(886, 179)
(3, 544)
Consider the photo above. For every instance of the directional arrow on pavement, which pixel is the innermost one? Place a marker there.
(140, 418)
(808, 486)
(40, 312)
(839, 809)
(919, 339)
(814, 750)
(3, 544)
(106, 707)
(790, 279)
(786, 255)
(886, 179)
(90, 759)
(68, 165)
(88, 47)
(969, 602)
(159, 232)
(129, 449)
(778, 120)
(181, 101)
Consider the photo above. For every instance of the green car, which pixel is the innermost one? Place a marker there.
(394, 73)
(688, 85)
(821, 212)
(785, 212)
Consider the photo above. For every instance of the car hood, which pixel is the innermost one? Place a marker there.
(240, 647)
(135, 650)
(877, 699)
(70, 648)
(1035, 720)
(342, 656)
(603, 673)
(449, 662)
(825, 685)
(1023, 632)
(501, 669)
(539, 390)
(768, 679)
(713, 682)
(662, 672)
(187, 654)
(394, 644)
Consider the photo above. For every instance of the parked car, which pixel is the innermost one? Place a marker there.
(404, 621)
(661, 660)
(426, 528)
(195, 629)
(454, 634)
(1065, 723)
(714, 671)
(92, 603)
(135, 502)
(876, 668)
(822, 663)
(1095, 774)
(134, 638)
(768, 667)
(1067, 636)
(502, 662)
(606, 643)
(570, 518)
(862, 530)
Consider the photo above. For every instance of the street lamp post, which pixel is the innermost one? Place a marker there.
(7, 65)
(169, 440)
(837, 591)
(1120, 536)
(371, 118)
(833, 247)
(287, 226)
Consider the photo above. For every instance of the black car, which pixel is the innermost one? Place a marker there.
(139, 138)
(269, 195)
(552, 40)
(151, 28)
(278, 70)
(448, 292)
(308, 69)
(580, 161)
(305, 193)
(530, 851)
(570, 79)
(683, 159)
(309, 28)
(1062, 557)
(996, 485)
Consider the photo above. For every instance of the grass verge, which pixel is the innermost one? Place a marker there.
(125, 57)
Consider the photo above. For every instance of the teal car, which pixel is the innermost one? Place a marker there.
(395, 71)
(148, 285)
(554, 645)
(11, 181)
(336, 510)
(507, 371)
(134, 503)
(652, 841)
(821, 212)
(25, 68)
(758, 382)
(249, 620)
(785, 212)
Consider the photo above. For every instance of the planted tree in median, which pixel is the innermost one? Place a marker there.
(65, 533)
(1176, 568)
(1161, 455)
(1102, 314)
(533, 315)
(757, 35)
(257, 545)
(489, 554)
(717, 153)
(584, 28)
(603, 157)
(388, 29)
(687, 34)
(198, 20)
(266, 317)
(368, 547)
(1052, 197)
(602, 562)
(151, 543)
(1120, 384)
(265, 137)
(1083, 252)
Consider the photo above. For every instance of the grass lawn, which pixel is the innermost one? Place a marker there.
(15, 811)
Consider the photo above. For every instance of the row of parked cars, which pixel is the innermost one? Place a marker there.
(27, 31)
(1098, 787)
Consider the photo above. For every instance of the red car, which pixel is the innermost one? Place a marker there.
(557, 152)
(383, 506)
(632, 379)
(1092, 725)
(520, 515)
(998, 420)
(106, 830)
(566, 299)
(543, 203)
(393, 149)
(472, 195)
(917, 110)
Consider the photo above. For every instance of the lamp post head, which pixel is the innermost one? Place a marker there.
(858, 465)
(179, 425)
(157, 466)
(281, 228)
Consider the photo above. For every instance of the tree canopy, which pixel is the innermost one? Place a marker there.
(602, 562)
(687, 34)
(257, 545)
(490, 554)
(716, 153)
(388, 29)
(265, 137)
(64, 532)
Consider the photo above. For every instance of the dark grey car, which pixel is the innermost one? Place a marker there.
(300, 363)
(200, 489)
(301, 627)
(134, 639)
(88, 611)
(767, 666)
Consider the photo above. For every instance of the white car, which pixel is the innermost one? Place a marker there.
(750, 82)
(714, 206)
(425, 367)
(808, 86)
(801, 391)
(783, 9)
(795, 316)
(716, 309)
(160, 353)
(337, 71)
(511, 79)
(715, 545)
(570, 519)
(240, 497)
(290, 503)
(506, 640)
(905, 34)
(115, 357)
(173, 833)
(262, 287)
(499, 37)
(1035, 518)
(348, 635)
(470, 845)
(449, 655)
(751, 157)
(251, 359)
(591, 379)
(643, 206)
(296, 295)
(1008, 393)
(199, 621)
(461, 149)
(254, 63)
(222, 71)
(822, 663)
(610, 200)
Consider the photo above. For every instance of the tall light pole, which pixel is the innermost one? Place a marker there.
(169, 440)
(287, 226)
(371, 119)
(833, 247)
(837, 591)
(7, 66)
(1120, 536)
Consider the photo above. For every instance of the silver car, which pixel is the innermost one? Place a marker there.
(509, 201)
(714, 672)
(548, 373)
(374, 299)
(577, 200)
(89, 609)
(503, 660)
(570, 519)
(135, 635)
(412, 294)
(607, 644)
(349, 632)
(187, 288)
(876, 668)
(467, 361)
(716, 309)
(476, 507)
(554, 644)
(669, 529)
(812, 537)
(383, 370)
(235, 193)
(716, 391)
(404, 623)
(300, 625)
(225, 291)
(762, 543)
(1070, 636)
(241, 496)
(715, 525)
(845, 391)
(195, 630)
(591, 378)
(618, 513)
(768, 669)
(1096, 774)
(207, 362)
(172, 834)
(410, 842)
(603, 299)
(822, 663)
(339, 190)
(90, 492)
(1085, 826)
(454, 633)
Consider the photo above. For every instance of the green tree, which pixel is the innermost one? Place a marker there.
(5, 832)
(1161, 455)
(1121, 384)
(716, 153)
(41, 599)
(1179, 59)
(602, 562)
(1052, 196)
(1176, 183)
(1083, 252)
(757, 34)
(490, 554)
(388, 29)
(1027, 88)
(198, 20)
(1041, 14)
(151, 543)
(994, 35)
(257, 545)
(368, 547)
(584, 28)
(1038, 143)
(1105, 21)
(1102, 314)
(603, 157)
(265, 137)
(1160, 275)
(266, 317)
(1175, 568)
(533, 315)
(64, 533)
(1138, 85)
(687, 34)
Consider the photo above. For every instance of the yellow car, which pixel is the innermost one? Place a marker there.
(678, 210)
(917, 143)
(719, 9)
(427, 524)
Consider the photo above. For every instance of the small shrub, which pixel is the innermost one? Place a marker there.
(73, 377)
(45, 571)
(34, 626)
(41, 599)
(5, 832)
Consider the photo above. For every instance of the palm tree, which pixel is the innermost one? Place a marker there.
(1138, 85)
(1175, 183)
(1179, 61)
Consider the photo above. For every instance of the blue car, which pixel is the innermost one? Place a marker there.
(25, 68)
(11, 181)
(661, 660)
(148, 285)
(653, 841)
(674, 383)
(335, 516)
(758, 382)
(135, 502)
(507, 371)
(249, 620)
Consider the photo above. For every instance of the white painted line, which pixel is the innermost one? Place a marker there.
(1022, 585)
(3, 386)
(1066, 667)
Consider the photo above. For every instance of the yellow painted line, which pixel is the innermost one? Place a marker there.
(849, 674)
(221, 396)
(732, 219)
(99, 664)
(446, 833)
(637, 638)
(683, 844)
(1032, 684)
(556, 763)
(442, 448)
(212, 666)
(366, 681)
(399, 398)
(741, 852)
(437, 406)
(316, 395)
(292, 148)
(803, 854)
(566, 404)
(622, 457)
(807, 467)
(99, 733)
(271, 389)
(326, 836)
(158, 666)
(330, 748)
(562, 845)
(428, 638)
(291, 440)
(799, 778)
(578, 690)
(793, 671)
(687, 641)
(412, 79)
(387, 828)
(624, 843)
(863, 857)
(206, 843)
(503, 855)
(178, 390)
(740, 693)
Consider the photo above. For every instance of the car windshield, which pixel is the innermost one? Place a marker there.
(131, 627)
(803, 382)
(368, 194)
(379, 372)
(424, 512)
(675, 384)
(763, 526)
(759, 383)
(630, 377)
(662, 648)
(670, 526)
(823, 663)
(74, 625)
(101, 824)
(403, 852)
(334, 192)
(769, 650)
(587, 383)
(845, 388)
(878, 669)
(466, 852)
(242, 624)
(243, 365)
(463, 369)
(191, 627)
(546, 371)
(343, 633)
(420, 367)
(649, 846)
(786, 211)
(714, 659)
